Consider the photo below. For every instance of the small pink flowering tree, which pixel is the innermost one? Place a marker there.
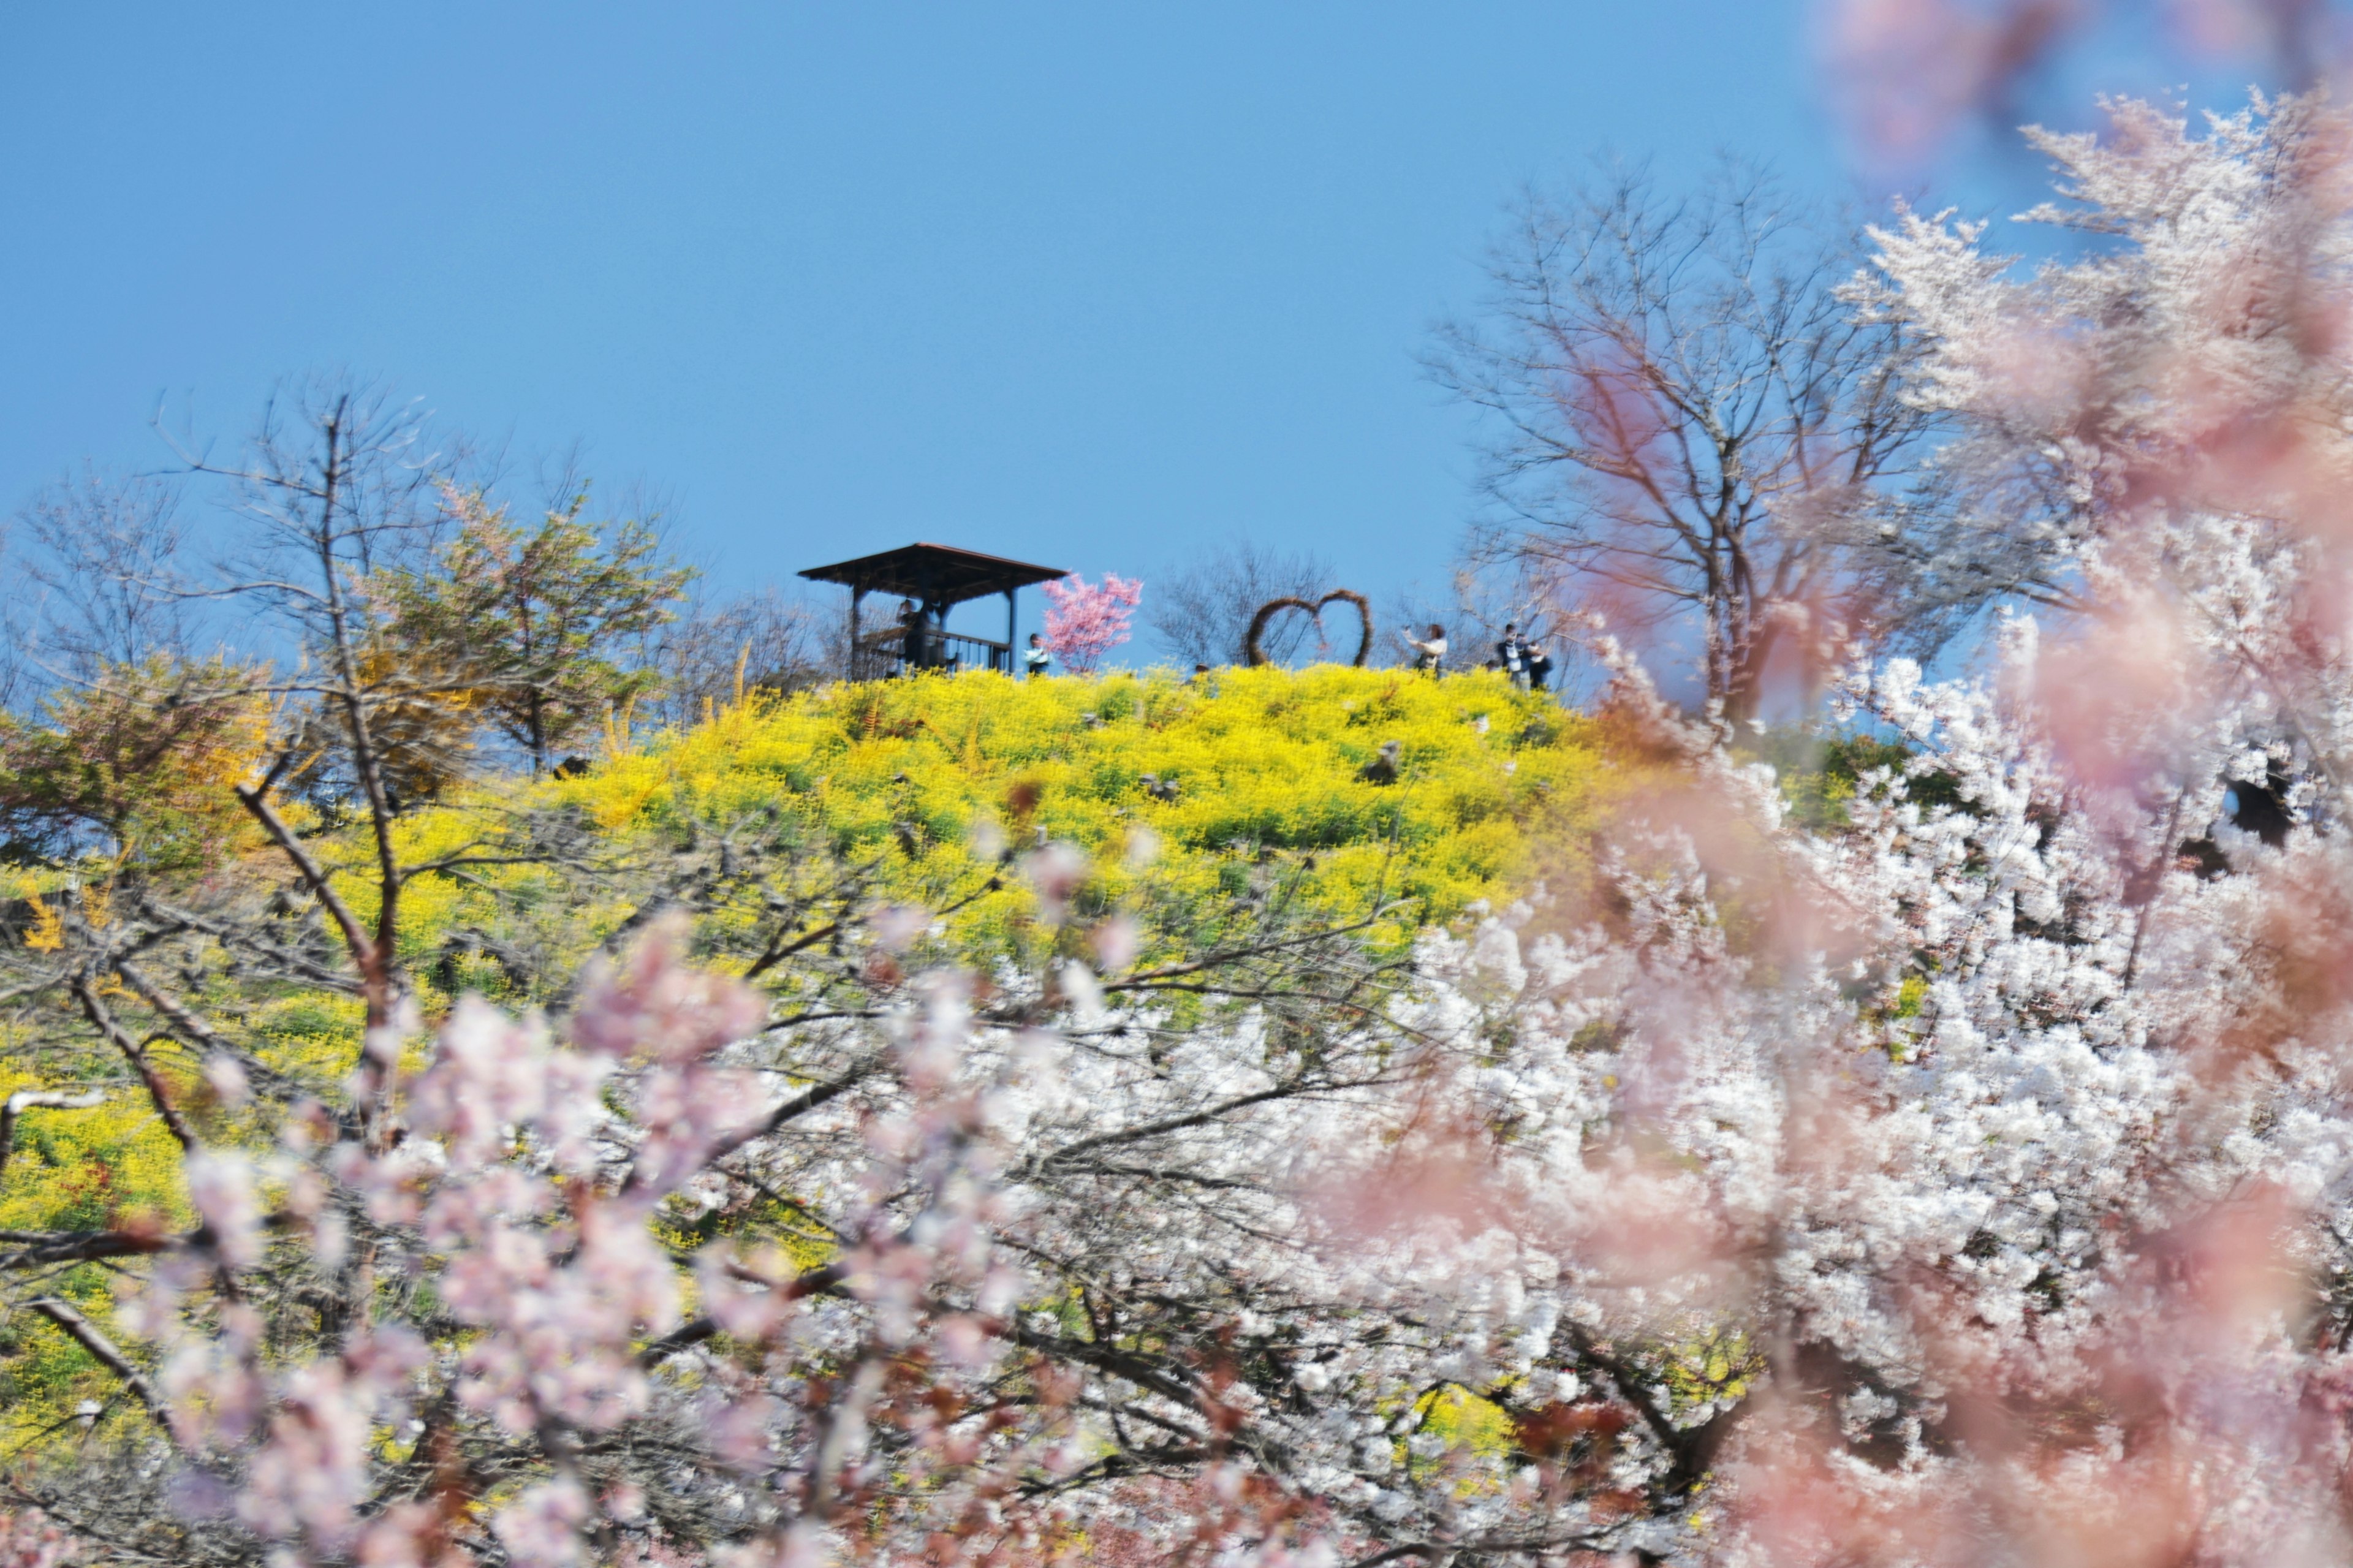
(1086, 622)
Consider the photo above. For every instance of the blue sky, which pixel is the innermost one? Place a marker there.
(1095, 286)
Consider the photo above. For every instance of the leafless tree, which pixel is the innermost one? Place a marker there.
(1691, 421)
(336, 484)
(717, 652)
(98, 556)
(1202, 610)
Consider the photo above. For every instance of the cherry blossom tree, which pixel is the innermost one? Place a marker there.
(1086, 621)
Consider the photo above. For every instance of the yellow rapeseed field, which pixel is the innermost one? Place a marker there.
(926, 777)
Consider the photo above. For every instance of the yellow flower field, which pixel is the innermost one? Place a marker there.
(1231, 770)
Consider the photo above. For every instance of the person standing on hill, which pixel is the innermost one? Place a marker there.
(1430, 653)
(1512, 654)
(1035, 659)
(1539, 664)
(914, 644)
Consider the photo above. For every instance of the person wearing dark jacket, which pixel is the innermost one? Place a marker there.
(1512, 655)
(1539, 664)
(914, 637)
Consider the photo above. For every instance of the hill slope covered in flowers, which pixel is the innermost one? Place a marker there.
(908, 792)
(1244, 768)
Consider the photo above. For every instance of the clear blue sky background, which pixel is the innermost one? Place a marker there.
(1092, 285)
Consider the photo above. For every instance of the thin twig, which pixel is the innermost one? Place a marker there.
(86, 1334)
(103, 1022)
(355, 936)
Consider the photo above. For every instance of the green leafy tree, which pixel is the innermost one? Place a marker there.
(135, 768)
(533, 623)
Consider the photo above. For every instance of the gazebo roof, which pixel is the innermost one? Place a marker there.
(934, 572)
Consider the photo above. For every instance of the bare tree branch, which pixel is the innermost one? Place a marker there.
(85, 1334)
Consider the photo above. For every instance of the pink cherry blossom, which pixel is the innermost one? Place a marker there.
(1086, 621)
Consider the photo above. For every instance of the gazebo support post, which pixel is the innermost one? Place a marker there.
(1010, 623)
(856, 593)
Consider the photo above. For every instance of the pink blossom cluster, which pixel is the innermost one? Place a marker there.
(29, 1541)
(524, 1183)
(1912, 73)
(499, 1195)
(1086, 621)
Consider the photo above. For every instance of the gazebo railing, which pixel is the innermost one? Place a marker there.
(971, 653)
(878, 654)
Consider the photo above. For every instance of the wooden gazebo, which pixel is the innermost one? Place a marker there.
(933, 578)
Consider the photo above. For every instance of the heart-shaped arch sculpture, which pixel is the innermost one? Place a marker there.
(1315, 608)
